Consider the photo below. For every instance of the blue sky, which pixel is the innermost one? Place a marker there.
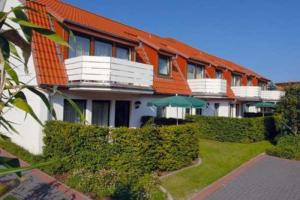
(263, 35)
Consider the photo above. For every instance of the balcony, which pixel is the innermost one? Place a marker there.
(215, 87)
(107, 72)
(247, 92)
(271, 95)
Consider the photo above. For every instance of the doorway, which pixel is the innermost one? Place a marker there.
(122, 113)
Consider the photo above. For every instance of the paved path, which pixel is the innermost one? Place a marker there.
(263, 178)
(37, 185)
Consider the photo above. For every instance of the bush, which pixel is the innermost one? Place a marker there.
(288, 146)
(159, 121)
(243, 130)
(76, 145)
(179, 146)
(117, 162)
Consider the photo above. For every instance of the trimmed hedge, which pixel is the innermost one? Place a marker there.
(243, 130)
(127, 154)
(288, 146)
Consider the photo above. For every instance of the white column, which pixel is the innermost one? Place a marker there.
(88, 112)
(112, 113)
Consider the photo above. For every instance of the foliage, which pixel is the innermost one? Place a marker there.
(150, 120)
(288, 146)
(218, 159)
(243, 130)
(129, 155)
(289, 108)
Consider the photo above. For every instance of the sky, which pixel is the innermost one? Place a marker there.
(263, 35)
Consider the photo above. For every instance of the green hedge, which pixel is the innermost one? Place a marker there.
(288, 146)
(129, 153)
(243, 130)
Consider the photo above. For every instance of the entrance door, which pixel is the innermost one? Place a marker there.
(122, 113)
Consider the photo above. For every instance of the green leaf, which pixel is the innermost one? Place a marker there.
(4, 47)
(14, 37)
(23, 105)
(19, 13)
(13, 49)
(44, 99)
(8, 125)
(22, 169)
(43, 31)
(11, 72)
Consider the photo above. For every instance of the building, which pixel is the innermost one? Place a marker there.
(113, 70)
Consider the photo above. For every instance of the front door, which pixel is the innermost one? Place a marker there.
(122, 113)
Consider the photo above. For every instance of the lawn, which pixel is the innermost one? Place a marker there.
(218, 159)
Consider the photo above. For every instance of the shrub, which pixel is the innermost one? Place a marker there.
(76, 145)
(117, 162)
(159, 121)
(288, 146)
(179, 146)
(243, 130)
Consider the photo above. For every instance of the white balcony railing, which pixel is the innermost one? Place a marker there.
(247, 91)
(208, 86)
(271, 95)
(108, 71)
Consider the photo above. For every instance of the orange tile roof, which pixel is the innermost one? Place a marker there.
(49, 69)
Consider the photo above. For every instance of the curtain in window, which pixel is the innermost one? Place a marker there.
(163, 65)
(100, 113)
(103, 49)
(79, 46)
(191, 68)
(70, 114)
(199, 72)
(122, 53)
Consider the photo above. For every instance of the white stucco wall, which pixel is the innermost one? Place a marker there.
(29, 133)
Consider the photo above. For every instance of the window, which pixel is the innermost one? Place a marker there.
(219, 74)
(249, 81)
(198, 111)
(263, 85)
(161, 112)
(164, 65)
(100, 113)
(70, 114)
(80, 46)
(236, 80)
(217, 105)
(187, 111)
(195, 71)
(103, 48)
(122, 53)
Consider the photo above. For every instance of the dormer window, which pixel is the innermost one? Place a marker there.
(103, 48)
(122, 53)
(236, 80)
(195, 71)
(80, 46)
(219, 74)
(249, 81)
(164, 64)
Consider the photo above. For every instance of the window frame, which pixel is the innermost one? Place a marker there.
(108, 114)
(221, 72)
(74, 100)
(82, 36)
(196, 67)
(233, 81)
(103, 41)
(169, 65)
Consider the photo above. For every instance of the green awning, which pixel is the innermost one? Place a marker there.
(265, 105)
(178, 101)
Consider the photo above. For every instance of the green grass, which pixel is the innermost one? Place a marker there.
(218, 159)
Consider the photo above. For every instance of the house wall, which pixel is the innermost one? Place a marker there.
(29, 134)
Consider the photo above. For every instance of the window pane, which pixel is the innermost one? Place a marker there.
(198, 111)
(219, 74)
(79, 46)
(70, 113)
(122, 52)
(103, 49)
(164, 64)
(199, 72)
(249, 82)
(191, 69)
(100, 113)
